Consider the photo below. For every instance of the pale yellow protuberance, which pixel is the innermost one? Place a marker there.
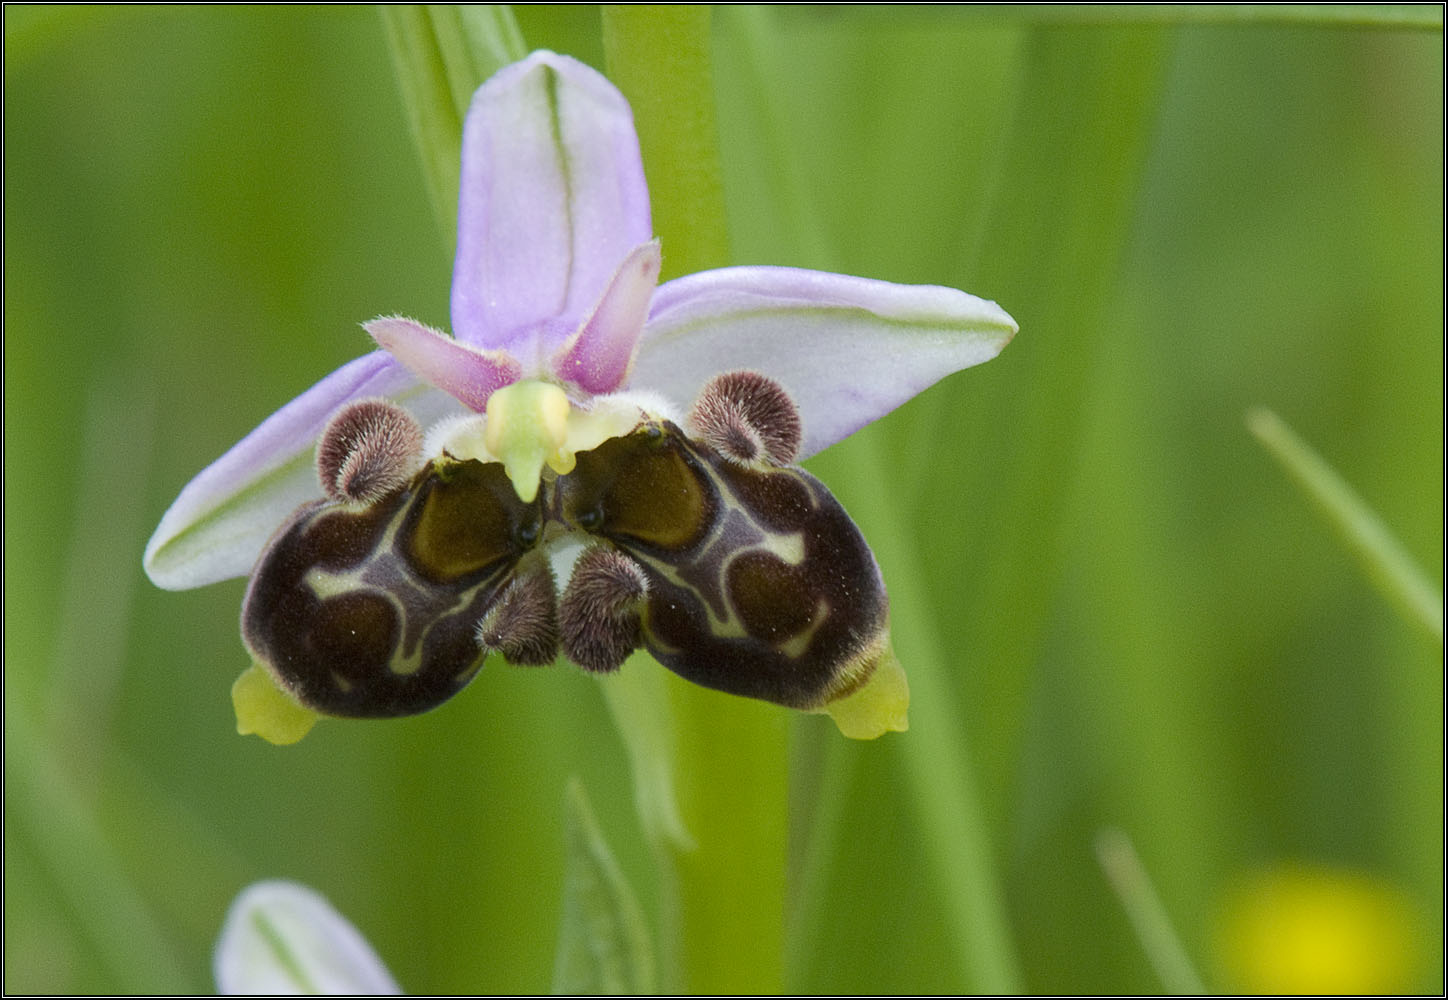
(880, 707)
(527, 426)
(268, 711)
(531, 424)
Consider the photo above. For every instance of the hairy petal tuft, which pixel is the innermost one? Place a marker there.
(523, 624)
(370, 448)
(748, 417)
(599, 614)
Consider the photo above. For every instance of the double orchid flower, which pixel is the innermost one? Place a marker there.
(570, 378)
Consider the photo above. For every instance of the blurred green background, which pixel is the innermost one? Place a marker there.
(1141, 622)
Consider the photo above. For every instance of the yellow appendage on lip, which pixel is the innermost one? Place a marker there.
(528, 427)
(878, 707)
(531, 424)
(266, 710)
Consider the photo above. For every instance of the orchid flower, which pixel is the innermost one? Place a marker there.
(284, 939)
(568, 363)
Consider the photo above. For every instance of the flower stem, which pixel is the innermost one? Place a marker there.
(725, 896)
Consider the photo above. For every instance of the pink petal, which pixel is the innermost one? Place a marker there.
(466, 373)
(598, 357)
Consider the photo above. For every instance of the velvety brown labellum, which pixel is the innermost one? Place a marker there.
(759, 584)
(372, 611)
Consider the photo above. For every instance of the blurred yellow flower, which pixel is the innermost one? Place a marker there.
(1302, 929)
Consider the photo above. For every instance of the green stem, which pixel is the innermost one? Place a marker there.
(726, 894)
(660, 58)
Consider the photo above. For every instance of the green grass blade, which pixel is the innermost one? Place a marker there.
(603, 943)
(1127, 875)
(1382, 556)
(441, 55)
(111, 912)
(942, 778)
(638, 700)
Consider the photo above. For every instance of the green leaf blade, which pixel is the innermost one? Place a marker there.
(603, 941)
(1381, 555)
(441, 55)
